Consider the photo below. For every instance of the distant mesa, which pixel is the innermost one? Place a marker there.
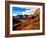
(23, 16)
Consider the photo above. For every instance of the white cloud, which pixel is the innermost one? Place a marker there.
(14, 14)
(29, 12)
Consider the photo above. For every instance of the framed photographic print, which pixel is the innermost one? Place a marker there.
(24, 18)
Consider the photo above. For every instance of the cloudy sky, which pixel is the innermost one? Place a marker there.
(22, 11)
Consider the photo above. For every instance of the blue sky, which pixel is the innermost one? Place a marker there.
(19, 10)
